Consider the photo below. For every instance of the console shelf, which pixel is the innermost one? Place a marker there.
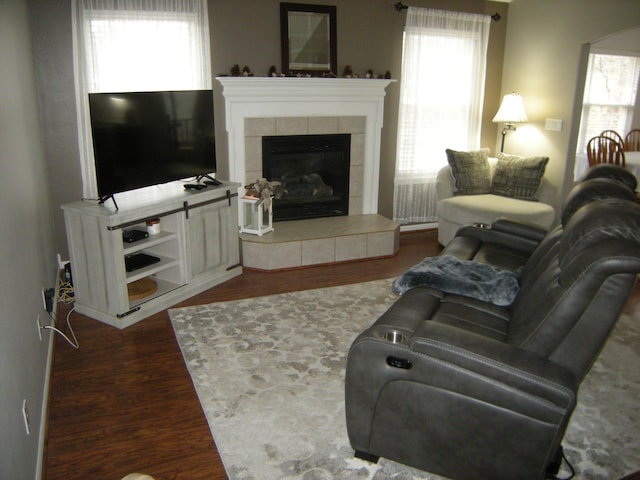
(198, 248)
(165, 263)
(134, 247)
(164, 287)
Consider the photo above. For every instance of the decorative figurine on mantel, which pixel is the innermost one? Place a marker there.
(262, 190)
(246, 71)
(274, 73)
(348, 72)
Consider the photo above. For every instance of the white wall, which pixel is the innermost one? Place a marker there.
(27, 258)
(542, 58)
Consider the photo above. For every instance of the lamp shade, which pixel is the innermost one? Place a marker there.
(511, 110)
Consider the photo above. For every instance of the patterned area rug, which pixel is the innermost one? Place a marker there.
(269, 373)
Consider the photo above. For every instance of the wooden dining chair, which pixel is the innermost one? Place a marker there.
(613, 135)
(605, 150)
(632, 141)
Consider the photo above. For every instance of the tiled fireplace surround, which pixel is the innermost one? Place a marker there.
(257, 107)
(256, 128)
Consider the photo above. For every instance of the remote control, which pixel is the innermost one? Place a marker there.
(194, 186)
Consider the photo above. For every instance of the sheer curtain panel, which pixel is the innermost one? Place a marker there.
(135, 45)
(441, 94)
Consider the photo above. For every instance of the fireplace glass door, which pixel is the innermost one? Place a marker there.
(314, 174)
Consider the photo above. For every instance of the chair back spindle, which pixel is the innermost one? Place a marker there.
(602, 149)
(613, 135)
(632, 141)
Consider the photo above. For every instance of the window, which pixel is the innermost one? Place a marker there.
(609, 96)
(441, 95)
(128, 45)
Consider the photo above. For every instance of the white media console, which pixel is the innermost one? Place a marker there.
(196, 248)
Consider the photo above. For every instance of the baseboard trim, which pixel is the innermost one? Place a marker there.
(418, 226)
(44, 413)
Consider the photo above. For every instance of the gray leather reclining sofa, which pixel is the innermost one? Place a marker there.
(470, 390)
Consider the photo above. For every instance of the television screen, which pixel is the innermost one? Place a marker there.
(146, 138)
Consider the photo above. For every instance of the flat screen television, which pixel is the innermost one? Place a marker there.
(147, 138)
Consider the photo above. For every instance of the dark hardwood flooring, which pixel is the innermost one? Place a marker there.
(124, 401)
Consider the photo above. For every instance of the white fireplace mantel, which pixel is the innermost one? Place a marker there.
(266, 97)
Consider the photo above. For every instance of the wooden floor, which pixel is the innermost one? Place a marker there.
(124, 402)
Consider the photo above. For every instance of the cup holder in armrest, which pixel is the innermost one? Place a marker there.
(394, 336)
(481, 225)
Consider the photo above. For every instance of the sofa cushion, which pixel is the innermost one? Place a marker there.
(471, 171)
(486, 208)
(461, 277)
(518, 177)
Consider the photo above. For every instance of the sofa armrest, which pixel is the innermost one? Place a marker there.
(504, 232)
(496, 361)
(546, 192)
(519, 229)
(468, 364)
(445, 184)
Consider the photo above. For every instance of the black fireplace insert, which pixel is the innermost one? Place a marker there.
(314, 174)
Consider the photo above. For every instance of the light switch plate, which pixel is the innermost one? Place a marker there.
(553, 124)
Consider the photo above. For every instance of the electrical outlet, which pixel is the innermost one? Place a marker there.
(47, 299)
(61, 263)
(44, 298)
(39, 327)
(25, 416)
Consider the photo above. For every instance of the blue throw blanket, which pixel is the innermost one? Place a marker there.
(461, 277)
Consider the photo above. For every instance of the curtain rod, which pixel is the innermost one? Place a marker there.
(399, 7)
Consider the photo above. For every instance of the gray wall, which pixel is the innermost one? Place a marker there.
(27, 256)
(246, 32)
(545, 40)
(52, 50)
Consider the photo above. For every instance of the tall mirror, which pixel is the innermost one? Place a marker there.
(308, 38)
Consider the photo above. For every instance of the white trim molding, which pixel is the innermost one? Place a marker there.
(271, 97)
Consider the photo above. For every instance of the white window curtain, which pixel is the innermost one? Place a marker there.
(441, 96)
(609, 99)
(135, 45)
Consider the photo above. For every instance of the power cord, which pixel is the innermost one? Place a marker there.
(65, 292)
(74, 343)
(65, 296)
(554, 467)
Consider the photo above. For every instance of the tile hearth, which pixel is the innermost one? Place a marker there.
(318, 241)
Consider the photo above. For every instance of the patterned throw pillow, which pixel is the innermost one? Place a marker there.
(518, 177)
(471, 171)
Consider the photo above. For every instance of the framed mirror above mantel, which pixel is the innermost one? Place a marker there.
(308, 39)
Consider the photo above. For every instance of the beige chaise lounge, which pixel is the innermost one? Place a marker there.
(455, 211)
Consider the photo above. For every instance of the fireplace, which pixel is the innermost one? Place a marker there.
(313, 171)
(256, 107)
